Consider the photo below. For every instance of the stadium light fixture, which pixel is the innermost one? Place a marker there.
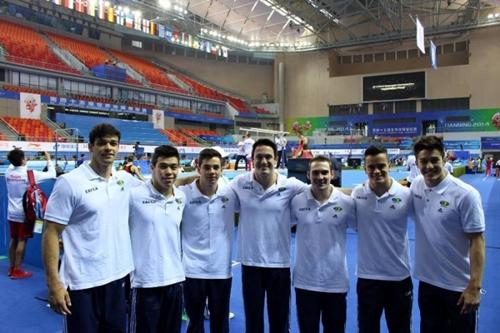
(166, 4)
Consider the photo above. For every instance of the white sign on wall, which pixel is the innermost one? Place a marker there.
(30, 105)
(158, 119)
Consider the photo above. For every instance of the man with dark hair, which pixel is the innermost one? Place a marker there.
(384, 285)
(207, 231)
(322, 215)
(155, 216)
(89, 210)
(16, 178)
(264, 234)
(449, 243)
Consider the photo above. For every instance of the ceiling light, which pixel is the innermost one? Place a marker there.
(265, 2)
(165, 4)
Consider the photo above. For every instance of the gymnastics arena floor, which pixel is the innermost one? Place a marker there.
(23, 307)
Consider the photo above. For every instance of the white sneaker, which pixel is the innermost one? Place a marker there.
(231, 315)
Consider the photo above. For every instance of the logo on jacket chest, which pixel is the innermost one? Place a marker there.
(92, 189)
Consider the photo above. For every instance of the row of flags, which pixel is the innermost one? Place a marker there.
(103, 10)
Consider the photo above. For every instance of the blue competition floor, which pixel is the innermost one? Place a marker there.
(22, 308)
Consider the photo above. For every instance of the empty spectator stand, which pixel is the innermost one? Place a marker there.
(200, 89)
(206, 135)
(25, 46)
(155, 75)
(19, 89)
(90, 55)
(30, 129)
(238, 104)
(262, 111)
(180, 139)
(131, 130)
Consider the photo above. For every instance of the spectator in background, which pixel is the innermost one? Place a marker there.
(248, 144)
(80, 160)
(16, 178)
(497, 167)
(131, 168)
(449, 167)
(241, 155)
(411, 165)
(489, 166)
(281, 143)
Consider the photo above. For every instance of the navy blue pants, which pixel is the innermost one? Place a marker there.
(439, 312)
(259, 283)
(315, 306)
(238, 158)
(98, 310)
(196, 293)
(156, 310)
(394, 298)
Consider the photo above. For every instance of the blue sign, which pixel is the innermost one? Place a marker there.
(95, 106)
(490, 143)
(199, 118)
(462, 145)
(394, 130)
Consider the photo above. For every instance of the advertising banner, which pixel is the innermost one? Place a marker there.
(479, 121)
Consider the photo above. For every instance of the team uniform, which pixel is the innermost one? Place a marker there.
(444, 214)
(383, 267)
(207, 233)
(264, 248)
(97, 248)
(156, 246)
(17, 184)
(320, 274)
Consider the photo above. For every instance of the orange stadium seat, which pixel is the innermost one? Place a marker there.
(89, 54)
(25, 46)
(31, 129)
(179, 138)
(9, 87)
(153, 74)
(200, 89)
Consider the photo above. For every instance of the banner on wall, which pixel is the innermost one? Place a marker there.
(158, 119)
(479, 121)
(30, 106)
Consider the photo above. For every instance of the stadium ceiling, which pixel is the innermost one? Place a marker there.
(300, 25)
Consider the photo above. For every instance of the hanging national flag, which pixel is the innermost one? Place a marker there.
(420, 36)
(433, 55)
